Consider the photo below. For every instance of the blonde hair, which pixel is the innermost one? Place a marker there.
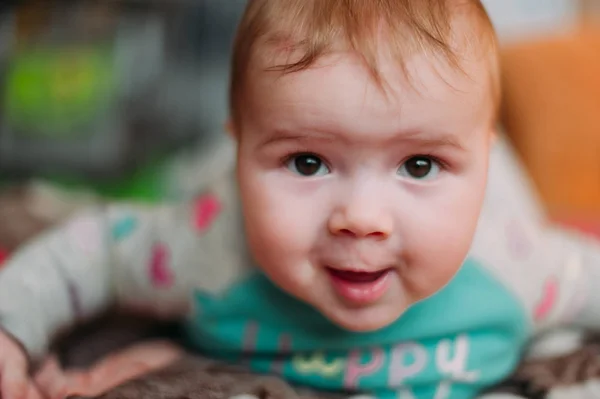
(312, 28)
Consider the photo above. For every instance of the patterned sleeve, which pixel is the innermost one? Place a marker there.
(582, 275)
(552, 271)
(140, 256)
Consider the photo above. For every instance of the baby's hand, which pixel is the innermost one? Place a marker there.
(113, 370)
(15, 382)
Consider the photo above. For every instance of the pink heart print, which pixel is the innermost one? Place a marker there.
(548, 299)
(206, 210)
(161, 274)
(3, 256)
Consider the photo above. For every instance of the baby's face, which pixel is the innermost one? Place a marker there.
(357, 202)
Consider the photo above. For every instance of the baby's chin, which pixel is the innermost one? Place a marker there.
(364, 319)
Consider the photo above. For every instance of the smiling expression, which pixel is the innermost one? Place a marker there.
(361, 201)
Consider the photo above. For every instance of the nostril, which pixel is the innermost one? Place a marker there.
(346, 232)
(377, 234)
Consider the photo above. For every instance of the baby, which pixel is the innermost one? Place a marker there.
(355, 245)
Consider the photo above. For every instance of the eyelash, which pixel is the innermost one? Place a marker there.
(442, 164)
(284, 160)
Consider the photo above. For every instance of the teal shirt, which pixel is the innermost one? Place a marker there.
(465, 338)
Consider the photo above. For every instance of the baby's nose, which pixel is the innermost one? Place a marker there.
(361, 223)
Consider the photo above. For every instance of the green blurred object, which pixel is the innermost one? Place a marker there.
(58, 92)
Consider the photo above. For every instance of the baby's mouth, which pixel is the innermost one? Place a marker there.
(357, 277)
(360, 287)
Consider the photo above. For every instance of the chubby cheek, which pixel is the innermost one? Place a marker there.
(281, 225)
(441, 238)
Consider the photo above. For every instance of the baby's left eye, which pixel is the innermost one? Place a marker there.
(420, 168)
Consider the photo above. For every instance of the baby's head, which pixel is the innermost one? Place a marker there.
(363, 131)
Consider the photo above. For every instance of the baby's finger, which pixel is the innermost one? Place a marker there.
(15, 384)
(122, 366)
(33, 392)
(99, 380)
(50, 379)
(80, 383)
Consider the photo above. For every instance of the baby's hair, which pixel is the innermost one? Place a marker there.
(308, 29)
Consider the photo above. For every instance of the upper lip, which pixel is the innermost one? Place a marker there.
(358, 258)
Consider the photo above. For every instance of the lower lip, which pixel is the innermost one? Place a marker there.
(361, 293)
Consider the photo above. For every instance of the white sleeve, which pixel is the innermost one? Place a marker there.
(147, 257)
(55, 278)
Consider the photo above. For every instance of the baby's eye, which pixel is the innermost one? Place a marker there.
(307, 165)
(420, 168)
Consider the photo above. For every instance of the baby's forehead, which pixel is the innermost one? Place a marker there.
(420, 72)
(337, 94)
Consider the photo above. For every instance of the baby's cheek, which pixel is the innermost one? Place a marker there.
(281, 243)
(427, 278)
(284, 230)
(434, 257)
(272, 239)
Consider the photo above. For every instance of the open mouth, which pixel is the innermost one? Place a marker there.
(357, 277)
(360, 287)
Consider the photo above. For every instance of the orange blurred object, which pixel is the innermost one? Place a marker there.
(551, 112)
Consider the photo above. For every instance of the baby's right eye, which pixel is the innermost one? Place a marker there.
(307, 165)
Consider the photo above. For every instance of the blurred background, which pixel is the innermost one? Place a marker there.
(127, 99)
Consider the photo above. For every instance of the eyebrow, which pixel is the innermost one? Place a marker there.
(282, 136)
(435, 140)
(418, 138)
